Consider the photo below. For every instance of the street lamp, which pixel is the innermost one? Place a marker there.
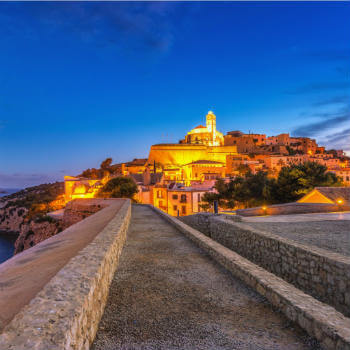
(340, 203)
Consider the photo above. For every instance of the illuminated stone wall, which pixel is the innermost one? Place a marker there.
(323, 274)
(178, 155)
(66, 299)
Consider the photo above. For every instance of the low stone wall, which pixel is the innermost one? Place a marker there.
(66, 312)
(321, 273)
(79, 209)
(293, 208)
(328, 326)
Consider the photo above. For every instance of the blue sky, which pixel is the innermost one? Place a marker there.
(83, 81)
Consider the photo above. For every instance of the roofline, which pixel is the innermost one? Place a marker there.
(308, 195)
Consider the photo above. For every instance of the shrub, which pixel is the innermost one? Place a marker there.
(119, 187)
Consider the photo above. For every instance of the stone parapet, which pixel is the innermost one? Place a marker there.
(65, 313)
(328, 326)
(323, 274)
(294, 208)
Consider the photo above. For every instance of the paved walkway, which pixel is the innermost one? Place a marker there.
(167, 294)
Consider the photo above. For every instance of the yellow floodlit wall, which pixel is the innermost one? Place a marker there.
(182, 154)
(315, 197)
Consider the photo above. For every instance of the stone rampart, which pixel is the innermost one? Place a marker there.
(321, 273)
(66, 311)
(328, 326)
(293, 208)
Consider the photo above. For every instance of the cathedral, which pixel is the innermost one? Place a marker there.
(203, 146)
(205, 135)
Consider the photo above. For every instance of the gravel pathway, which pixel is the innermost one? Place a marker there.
(331, 235)
(167, 294)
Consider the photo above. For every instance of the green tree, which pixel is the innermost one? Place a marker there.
(296, 180)
(118, 187)
(249, 190)
(91, 173)
(291, 151)
(243, 169)
(258, 188)
(106, 165)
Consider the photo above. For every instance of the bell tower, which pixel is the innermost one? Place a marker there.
(211, 127)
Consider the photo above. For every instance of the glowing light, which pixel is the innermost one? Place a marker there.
(340, 201)
(80, 189)
(264, 207)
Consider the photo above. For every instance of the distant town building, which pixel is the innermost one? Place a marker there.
(344, 174)
(179, 200)
(80, 187)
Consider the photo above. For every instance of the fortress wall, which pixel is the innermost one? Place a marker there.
(293, 208)
(323, 274)
(181, 154)
(65, 312)
(328, 326)
(177, 154)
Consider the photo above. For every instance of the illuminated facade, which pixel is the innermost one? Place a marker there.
(79, 187)
(202, 170)
(203, 147)
(206, 135)
(179, 200)
(344, 174)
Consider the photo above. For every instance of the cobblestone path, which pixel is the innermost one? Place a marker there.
(167, 294)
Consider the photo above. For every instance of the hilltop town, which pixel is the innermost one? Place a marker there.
(175, 177)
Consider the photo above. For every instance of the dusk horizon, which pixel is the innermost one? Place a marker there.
(85, 81)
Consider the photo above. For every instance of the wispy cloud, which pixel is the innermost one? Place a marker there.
(320, 87)
(332, 100)
(338, 140)
(132, 25)
(312, 129)
(335, 137)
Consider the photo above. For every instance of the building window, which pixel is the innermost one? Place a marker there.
(175, 196)
(199, 197)
(183, 198)
(159, 194)
(183, 210)
(175, 207)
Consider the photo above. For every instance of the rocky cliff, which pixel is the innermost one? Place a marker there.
(25, 213)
